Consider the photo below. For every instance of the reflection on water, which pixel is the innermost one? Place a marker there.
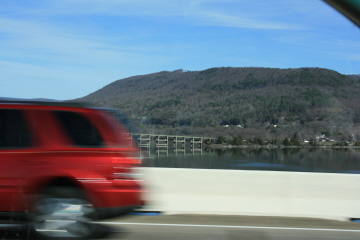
(286, 159)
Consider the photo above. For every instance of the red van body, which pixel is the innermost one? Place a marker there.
(47, 147)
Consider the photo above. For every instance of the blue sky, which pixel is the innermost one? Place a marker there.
(66, 49)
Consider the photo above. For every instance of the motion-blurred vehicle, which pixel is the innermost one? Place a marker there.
(62, 167)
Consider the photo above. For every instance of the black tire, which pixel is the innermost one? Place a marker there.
(64, 213)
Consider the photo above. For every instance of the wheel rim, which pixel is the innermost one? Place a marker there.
(63, 217)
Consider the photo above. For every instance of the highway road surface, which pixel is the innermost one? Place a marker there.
(221, 227)
(215, 227)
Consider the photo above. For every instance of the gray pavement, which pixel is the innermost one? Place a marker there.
(217, 227)
(221, 227)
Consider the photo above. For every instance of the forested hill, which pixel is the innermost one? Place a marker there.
(252, 97)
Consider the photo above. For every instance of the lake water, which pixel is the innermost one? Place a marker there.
(286, 159)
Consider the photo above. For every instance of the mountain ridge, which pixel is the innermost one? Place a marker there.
(315, 99)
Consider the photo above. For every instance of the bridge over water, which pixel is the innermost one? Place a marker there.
(161, 143)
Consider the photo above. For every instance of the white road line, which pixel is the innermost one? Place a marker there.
(230, 226)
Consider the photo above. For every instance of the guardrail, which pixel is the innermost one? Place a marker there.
(237, 192)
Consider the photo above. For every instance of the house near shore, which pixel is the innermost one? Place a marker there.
(320, 138)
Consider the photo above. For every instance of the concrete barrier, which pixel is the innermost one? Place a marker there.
(265, 193)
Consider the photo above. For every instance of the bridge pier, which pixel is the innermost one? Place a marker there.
(162, 143)
(179, 140)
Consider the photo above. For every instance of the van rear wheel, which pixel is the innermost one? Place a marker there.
(63, 213)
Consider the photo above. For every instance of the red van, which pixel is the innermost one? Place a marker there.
(64, 166)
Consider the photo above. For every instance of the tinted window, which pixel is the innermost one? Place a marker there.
(81, 131)
(14, 132)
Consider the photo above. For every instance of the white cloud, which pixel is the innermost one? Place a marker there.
(218, 19)
(343, 55)
(43, 42)
(198, 12)
(104, 7)
(12, 68)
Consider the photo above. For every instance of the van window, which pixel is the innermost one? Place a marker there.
(14, 133)
(80, 130)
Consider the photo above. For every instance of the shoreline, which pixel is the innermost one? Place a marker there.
(223, 146)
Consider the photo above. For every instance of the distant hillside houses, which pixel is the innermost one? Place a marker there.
(238, 126)
(323, 138)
